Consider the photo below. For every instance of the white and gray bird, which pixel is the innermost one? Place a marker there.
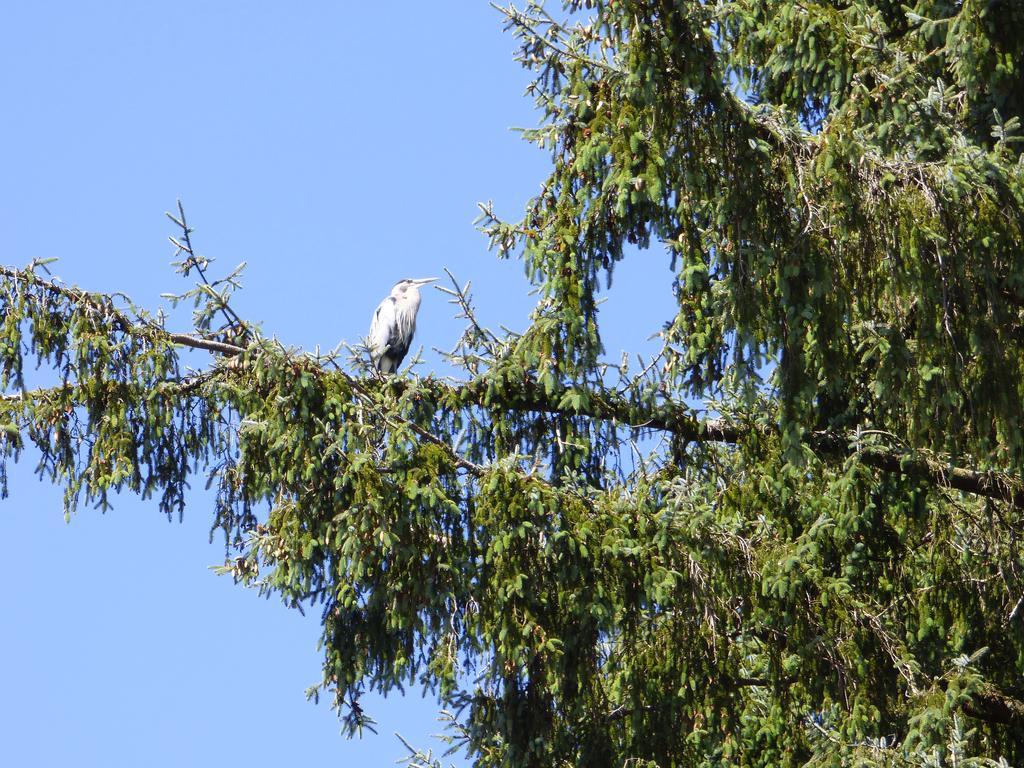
(394, 324)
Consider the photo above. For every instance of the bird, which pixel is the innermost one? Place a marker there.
(394, 324)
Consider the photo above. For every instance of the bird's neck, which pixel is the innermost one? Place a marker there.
(411, 299)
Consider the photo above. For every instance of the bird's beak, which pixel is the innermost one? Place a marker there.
(424, 280)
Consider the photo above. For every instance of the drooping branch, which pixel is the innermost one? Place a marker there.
(993, 706)
(119, 320)
(527, 395)
(679, 420)
(990, 706)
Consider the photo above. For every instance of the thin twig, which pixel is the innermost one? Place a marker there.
(232, 318)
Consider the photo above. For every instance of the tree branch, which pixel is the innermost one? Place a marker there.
(185, 340)
(995, 707)
(121, 321)
(675, 418)
(194, 260)
(679, 420)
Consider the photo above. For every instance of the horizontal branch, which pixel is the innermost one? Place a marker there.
(991, 706)
(675, 418)
(995, 707)
(121, 321)
(196, 342)
(993, 485)
(679, 419)
(79, 393)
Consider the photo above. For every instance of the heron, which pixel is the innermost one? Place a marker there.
(394, 324)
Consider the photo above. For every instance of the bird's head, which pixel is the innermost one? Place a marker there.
(409, 286)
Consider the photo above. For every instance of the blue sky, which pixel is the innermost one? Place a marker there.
(335, 147)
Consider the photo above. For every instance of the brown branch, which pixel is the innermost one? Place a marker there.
(209, 345)
(121, 321)
(95, 302)
(992, 706)
(993, 485)
(675, 418)
(680, 420)
(80, 393)
(996, 707)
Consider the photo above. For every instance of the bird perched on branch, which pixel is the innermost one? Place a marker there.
(394, 324)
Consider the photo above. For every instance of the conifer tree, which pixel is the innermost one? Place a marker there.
(791, 538)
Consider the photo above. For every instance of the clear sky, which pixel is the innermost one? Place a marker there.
(336, 147)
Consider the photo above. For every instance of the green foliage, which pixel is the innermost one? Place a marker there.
(585, 568)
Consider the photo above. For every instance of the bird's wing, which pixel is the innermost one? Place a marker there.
(382, 328)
